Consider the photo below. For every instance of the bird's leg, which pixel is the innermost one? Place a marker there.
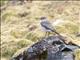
(45, 34)
(48, 34)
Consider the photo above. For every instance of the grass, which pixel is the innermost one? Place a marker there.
(19, 30)
(77, 54)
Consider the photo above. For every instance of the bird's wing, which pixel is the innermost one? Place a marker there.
(47, 25)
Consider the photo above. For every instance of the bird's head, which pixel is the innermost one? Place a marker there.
(43, 18)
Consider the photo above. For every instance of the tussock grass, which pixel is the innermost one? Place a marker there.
(20, 23)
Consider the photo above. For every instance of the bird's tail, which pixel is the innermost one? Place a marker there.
(56, 32)
(63, 39)
(60, 36)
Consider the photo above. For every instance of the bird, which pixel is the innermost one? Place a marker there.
(47, 26)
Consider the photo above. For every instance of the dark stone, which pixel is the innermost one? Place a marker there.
(50, 48)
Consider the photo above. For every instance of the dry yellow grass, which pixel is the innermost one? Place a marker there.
(21, 22)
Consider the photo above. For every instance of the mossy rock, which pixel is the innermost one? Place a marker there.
(24, 43)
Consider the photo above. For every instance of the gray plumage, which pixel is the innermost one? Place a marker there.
(46, 25)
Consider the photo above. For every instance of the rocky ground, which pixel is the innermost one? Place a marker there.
(49, 48)
(20, 23)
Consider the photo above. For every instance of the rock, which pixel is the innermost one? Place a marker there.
(50, 48)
